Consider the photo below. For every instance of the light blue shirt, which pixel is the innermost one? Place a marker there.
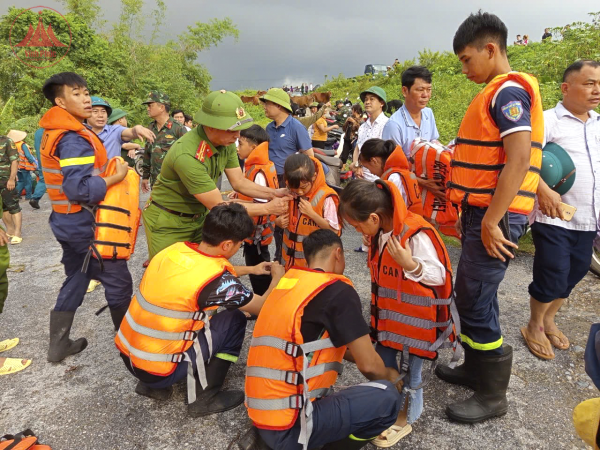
(402, 129)
(111, 136)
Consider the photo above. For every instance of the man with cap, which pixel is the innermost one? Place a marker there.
(563, 249)
(128, 149)
(167, 131)
(316, 113)
(113, 136)
(286, 137)
(185, 189)
(27, 163)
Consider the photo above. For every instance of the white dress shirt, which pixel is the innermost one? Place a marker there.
(371, 130)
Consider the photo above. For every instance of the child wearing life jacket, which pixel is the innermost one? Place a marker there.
(314, 206)
(411, 289)
(254, 149)
(387, 160)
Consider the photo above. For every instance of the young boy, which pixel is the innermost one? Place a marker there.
(254, 149)
(495, 176)
(73, 160)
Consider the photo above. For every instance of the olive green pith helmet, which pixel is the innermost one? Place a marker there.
(375, 90)
(224, 111)
(558, 169)
(279, 97)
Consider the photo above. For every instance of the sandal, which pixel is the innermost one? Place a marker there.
(16, 240)
(558, 337)
(391, 436)
(8, 344)
(92, 286)
(12, 365)
(530, 341)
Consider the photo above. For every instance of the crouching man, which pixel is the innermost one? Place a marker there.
(166, 334)
(310, 321)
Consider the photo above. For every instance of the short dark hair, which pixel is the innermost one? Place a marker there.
(177, 111)
(255, 134)
(479, 29)
(361, 198)
(578, 65)
(53, 86)
(187, 118)
(227, 221)
(373, 148)
(298, 168)
(412, 73)
(167, 107)
(357, 108)
(318, 241)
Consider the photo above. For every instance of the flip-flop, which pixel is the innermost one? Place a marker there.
(8, 344)
(391, 436)
(529, 341)
(12, 365)
(93, 285)
(560, 337)
(16, 240)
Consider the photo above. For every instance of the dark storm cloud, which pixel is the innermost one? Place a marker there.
(294, 42)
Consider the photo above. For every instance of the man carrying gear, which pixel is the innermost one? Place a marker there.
(74, 163)
(171, 331)
(309, 323)
(185, 190)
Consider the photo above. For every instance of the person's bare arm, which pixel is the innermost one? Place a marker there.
(368, 361)
(549, 201)
(213, 198)
(517, 147)
(244, 186)
(137, 132)
(257, 302)
(308, 152)
(12, 178)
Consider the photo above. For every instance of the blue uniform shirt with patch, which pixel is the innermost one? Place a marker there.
(285, 140)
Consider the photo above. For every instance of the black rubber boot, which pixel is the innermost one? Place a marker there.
(489, 399)
(346, 444)
(35, 204)
(465, 374)
(212, 400)
(156, 394)
(60, 344)
(251, 440)
(117, 315)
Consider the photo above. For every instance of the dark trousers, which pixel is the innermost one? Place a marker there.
(254, 254)
(116, 278)
(318, 144)
(278, 234)
(477, 279)
(227, 331)
(361, 411)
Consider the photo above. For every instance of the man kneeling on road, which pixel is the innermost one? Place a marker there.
(316, 312)
(167, 336)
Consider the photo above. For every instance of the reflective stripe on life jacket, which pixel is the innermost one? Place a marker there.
(56, 122)
(258, 162)
(397, 163)
(432, 161)
(300, 225)
(479, 155)
(406, 315)
(24, 163)
(164, 318)
(281, 382)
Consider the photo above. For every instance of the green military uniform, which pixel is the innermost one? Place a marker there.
(192, 167)
(4, 263)
(342, 115)
(8, 154)
(154, 153)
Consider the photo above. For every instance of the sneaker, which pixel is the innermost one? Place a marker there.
(35, 204)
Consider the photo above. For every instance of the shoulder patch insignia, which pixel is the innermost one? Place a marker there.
(204, 151)
(513, 110)
(169, 125)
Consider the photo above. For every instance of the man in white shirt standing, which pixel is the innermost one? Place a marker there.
(563, 250)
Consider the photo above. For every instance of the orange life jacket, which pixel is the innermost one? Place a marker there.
(479, 154)
(164, 318)
(406, 315)
(24, 163)
(280, 381)
(397, 163)
(300, 225)
(118, 216)
(258, 162)
(432, 161)
(56, 122)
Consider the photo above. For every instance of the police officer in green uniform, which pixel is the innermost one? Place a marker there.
(185, 189)
(166, 130)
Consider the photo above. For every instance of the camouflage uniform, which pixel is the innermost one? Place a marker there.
(165, 137)
(8, 154)
(342, 115)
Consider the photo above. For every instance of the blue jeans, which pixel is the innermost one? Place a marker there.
(476, 287)
(24, 181)
(411, 380)
(40, 187)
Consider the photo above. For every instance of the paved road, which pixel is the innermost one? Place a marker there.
(88, 401)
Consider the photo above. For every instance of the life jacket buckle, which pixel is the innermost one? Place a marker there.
(293, 378)
(177, 357)
(292, 349)
(190, 335)
(296, 401)
(199, 315)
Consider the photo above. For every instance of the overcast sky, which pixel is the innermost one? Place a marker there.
(283, 42)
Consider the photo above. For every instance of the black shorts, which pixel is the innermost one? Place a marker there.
(10, 200)
(318, 144)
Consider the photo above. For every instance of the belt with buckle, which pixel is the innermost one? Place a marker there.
(175, 213)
